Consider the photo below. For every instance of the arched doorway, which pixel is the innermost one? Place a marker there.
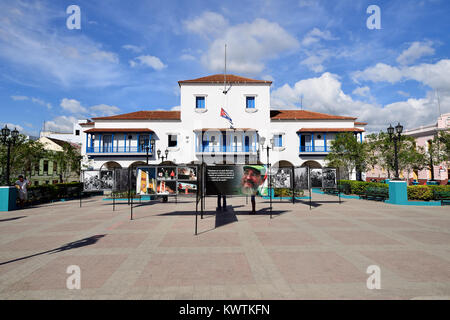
(311, 164)
(110, 165)
(137, 164)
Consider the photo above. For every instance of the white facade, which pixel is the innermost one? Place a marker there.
(74, 137)
(203, 135)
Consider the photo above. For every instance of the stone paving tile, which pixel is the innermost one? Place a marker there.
(211, 238)
(316, 267)
(286, 238)
(196, 269)
(71, 226)
(41, 243)
(352, 237)
(428, 237)
(95, 270)
(123, 240)
(412, 265)
(389, 223)
(331, 223)
(322, 253)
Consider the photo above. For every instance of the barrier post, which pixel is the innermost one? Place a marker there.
(131, 208)
(114, 201)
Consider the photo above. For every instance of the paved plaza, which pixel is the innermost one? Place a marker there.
(322, 253)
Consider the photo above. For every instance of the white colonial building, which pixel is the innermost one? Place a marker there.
(198, 133)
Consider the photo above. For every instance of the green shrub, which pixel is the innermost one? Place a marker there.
(359, 187)
(423, 193)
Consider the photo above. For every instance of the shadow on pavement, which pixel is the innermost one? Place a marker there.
(68, 246)
(15, 218)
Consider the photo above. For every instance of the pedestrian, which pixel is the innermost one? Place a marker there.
(22, 185)
(224, 200)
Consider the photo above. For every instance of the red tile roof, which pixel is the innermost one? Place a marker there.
(87, 124)
(304, 115)
(330, 130)
(360, 123)
(144, 115)
(118, 130)
(219, 78)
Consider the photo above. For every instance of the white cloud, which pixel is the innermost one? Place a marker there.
(362, 91)
(30, 42)
(207, 24)
(133, 48)
(325, 94)
(187, 57)
(432, 75)
(61, 124)
(103, 110)
(315, 35)
(415, 51)
(73, 106)
(11, 126)
(176, 108)
(19, 98)
(150, 61)
(249, 45)
(34, 100)
(42, 102)
(380, 72)
(316, 59)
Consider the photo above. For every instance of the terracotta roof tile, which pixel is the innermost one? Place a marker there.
(144, 115)
(219, 78)
(330, 130)
(304, 115)
(224, 129)
(87, 124)
(360, 123)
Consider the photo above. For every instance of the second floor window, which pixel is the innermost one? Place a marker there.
(172, 140)
(278, 140)
(45, 166)
(250, 102)
(200, 102)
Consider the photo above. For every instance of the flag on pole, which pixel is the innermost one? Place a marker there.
(225, 115)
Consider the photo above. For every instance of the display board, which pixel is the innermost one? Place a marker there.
(121, 181)
(301, 178)
(329, 178)
(246, 179)
(166, 180)
(281, 178)
(316, 178)
(95, 180)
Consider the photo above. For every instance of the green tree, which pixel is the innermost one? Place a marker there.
(444, 139)
(68, 160)
(346, 152)
(25, 154)
(411, 157)
(436, 153)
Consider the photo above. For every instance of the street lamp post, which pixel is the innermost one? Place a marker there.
(396, 138)
(269, 169)
(147, 148)
(8, 139)
(162, 157)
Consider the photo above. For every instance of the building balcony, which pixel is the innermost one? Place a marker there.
(226, 149)
(314, 149)
(127, 150)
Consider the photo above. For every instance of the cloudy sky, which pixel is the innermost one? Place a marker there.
(129, 57)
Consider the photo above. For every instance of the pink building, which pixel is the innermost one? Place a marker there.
(422, 135)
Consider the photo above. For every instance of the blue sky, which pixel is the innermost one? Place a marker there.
(129, 57)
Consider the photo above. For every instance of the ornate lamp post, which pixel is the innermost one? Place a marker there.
(162, 157)
(9, 138)
(396, 138)
(147, 148)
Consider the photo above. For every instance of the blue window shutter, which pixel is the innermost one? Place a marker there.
(279, 141)
(250, 102)
(200, 102)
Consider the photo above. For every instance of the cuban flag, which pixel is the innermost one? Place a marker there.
(225, 115)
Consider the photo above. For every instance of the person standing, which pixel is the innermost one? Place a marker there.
(22, 185)
(224, 200)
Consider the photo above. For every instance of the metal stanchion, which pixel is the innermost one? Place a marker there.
(114, 201)
(131, 208)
